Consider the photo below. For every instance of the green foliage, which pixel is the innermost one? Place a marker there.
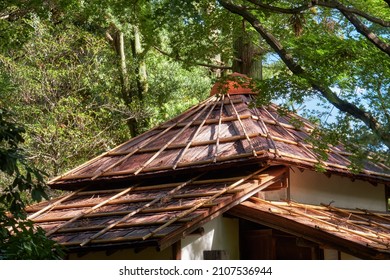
(172, 88)
(66, 94)
(19, 238)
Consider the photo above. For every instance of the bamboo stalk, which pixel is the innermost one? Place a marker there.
(143, 144)
(107, 240)
(168, 167)
(208, 142)
(338, 227)
(120, 213)
(353, 223)
(382, 216)
(218, 130)
(147, 205)
(329, 164)
(160, 186)
(145, 199)
(89, 210)
(169, 142)
(118, 226)
(181, 155)
(215, 121)
(183, 164)
(174, 208)
(261, 121)
(51, 206)
(299, 143)
(243, 128)
(360, 218)
(271, 122)
(194, 208)
(308, 124)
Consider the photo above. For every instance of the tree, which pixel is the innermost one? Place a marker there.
(19, 238)
(332, 51)
(353, 53)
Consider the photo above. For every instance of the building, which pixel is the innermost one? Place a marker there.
(224, 180)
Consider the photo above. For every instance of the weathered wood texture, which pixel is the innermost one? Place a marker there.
(358, 232)
(161, 213)
(221, 130)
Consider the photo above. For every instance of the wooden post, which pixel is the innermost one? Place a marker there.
(176, 250)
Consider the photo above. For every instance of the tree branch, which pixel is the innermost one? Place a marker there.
(362, 29)
(341, 7)
(196, 63)
(328, 4)
(296, 69)
(295, 10)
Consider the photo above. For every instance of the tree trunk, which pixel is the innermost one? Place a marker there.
(142, 78)
(140, 84)
(247, 56)
(123, 68)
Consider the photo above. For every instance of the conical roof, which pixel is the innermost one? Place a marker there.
(224, 130)
(167, 183)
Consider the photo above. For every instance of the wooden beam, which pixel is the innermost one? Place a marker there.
(176, 250)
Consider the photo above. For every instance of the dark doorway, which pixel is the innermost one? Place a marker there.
(258, 242)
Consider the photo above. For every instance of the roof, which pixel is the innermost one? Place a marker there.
(153, 214)
(223, 130)
(166, 183)
(358, 232)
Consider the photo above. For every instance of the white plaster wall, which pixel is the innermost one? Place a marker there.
(315, 188)
(220, 234)
(332, 254)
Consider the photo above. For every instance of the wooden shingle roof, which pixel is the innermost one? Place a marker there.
(223, 130)
(162, 185)
(360, 233)
(149, 214)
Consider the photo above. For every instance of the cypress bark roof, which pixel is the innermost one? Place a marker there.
(221, 131)
(166, 183)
